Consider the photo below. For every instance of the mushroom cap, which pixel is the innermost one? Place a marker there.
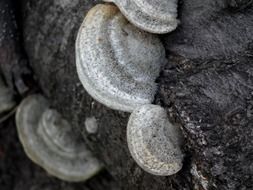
(91, 125)
(155, 16)
(6, 98)
(48, 140)
(116, 62)
(153, 141)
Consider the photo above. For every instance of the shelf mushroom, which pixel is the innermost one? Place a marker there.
(155, 16)
(6, 98)
(116, 62)
(50, 142)
(153, 141)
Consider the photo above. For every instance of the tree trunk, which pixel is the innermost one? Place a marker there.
(206, 86)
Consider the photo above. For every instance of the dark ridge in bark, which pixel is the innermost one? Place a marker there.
(207, 76)
(239, 5)
(13, 60)
(209, 31)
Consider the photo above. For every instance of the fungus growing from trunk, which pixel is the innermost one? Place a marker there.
(91, 125)
(116, 62)
(153, 141)
(50, 142)
(155, 16)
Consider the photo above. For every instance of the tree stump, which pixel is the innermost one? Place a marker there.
(206, 86)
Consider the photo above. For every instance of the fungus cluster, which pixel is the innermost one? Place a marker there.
(118, 63)
(50, 142)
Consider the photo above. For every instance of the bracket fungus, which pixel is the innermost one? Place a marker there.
(50, 142)
(155, 16)
(6, 98)
(116, 62)
(153, 141)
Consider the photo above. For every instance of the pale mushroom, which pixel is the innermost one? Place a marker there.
(50, 142)
(91, 125)
(116, 62)
(155, 16)
(153, 141)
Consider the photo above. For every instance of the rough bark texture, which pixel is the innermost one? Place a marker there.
(207, 86)
(16, 170)
(13, 62)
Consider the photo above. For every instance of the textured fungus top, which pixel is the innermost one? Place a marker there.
(153, 141)
(155, 16)
(116, 62)
(50, 142)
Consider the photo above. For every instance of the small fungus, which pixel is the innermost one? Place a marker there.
(50, 142)
(91, 125)
(153, 141)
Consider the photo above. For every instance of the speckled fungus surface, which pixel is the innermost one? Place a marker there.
(153, 141)
(6, 98)
(50, 142)
(155, 16)
(116, 62)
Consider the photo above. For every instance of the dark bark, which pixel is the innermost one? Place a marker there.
(206, 86)
(13, 61)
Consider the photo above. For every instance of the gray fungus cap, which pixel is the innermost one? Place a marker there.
(50, 142)
(116, 62)
(153, 141)
(155, 16)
